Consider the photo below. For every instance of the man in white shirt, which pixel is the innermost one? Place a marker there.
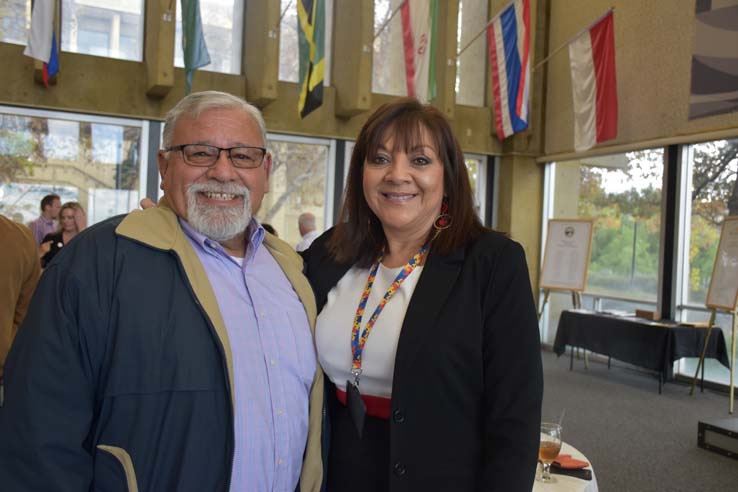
(306, 224)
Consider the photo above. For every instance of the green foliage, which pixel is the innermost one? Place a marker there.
(15, 155)
(625, 247)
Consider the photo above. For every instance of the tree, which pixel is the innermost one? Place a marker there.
(714, 180)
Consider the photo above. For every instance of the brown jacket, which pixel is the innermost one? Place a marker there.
(19, 272)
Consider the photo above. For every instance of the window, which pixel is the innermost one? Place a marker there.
(222, 26)
(93, 160)
(622, 193)
(111, 28)
(710, 194)
(300, 181)
(289, 52)
(476, 165)
(470, 66)
(388, 75)
(15, 21)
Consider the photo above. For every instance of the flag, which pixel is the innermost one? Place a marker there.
(193, 42)
(42, 39)
(419, 19)
(508, 39)
(592, 61)
(311, 34)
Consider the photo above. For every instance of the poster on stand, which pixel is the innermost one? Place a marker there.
(723, 291)
(566, 256)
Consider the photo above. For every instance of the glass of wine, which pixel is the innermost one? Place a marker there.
(549, 449)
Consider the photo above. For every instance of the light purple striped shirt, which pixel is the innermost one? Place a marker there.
(41, 227)
(273, 361)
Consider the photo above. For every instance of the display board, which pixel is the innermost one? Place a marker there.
(723, 292)
(566, 256)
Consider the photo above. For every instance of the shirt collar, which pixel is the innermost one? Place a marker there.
(254, 233)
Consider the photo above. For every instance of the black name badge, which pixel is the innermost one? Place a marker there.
(356, 406)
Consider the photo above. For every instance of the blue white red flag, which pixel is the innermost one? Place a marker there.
(508, 36)
(42, 38)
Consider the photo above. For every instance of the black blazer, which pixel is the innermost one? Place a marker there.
(468, 381)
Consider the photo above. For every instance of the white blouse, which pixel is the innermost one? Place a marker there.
(333, 328)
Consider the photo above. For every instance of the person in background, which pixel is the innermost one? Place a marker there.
(427, 329)
(72, 219)
(270, 229)
(19, 273)
(306, 225)
(46, 222)
(171, 349)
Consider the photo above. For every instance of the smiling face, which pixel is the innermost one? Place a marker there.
(219, 200)
(404, 187)
(66, 220)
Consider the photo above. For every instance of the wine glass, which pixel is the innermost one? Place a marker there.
(549, 449)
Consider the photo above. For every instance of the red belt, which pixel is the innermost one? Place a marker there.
(376, 406)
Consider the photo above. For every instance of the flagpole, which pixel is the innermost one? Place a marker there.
(386, 23)
(283, 13)
(484, 28)
(568, 42)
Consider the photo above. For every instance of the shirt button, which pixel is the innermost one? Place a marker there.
(399, 469)
(273, 362)
(280, 411)
(398, 416)
(280, 461)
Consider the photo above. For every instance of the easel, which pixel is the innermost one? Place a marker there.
(701, 363)
(576, 302)
(722, 295)
(565, 263)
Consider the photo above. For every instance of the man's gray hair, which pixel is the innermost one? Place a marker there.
(197, 102)
(306, 220)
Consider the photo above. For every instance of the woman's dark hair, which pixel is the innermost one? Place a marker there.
(358, 237)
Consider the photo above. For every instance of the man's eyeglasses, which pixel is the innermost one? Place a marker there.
(200, 155)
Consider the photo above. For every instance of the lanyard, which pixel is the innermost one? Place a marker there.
(358, 342)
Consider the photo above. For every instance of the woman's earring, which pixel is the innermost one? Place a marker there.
(443, 221)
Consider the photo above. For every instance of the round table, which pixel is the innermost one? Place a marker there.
(565, 483)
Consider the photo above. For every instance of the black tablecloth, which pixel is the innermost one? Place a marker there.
(637, 341)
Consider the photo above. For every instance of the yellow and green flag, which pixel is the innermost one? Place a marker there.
(311, 33)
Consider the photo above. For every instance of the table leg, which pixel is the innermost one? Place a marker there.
(661, 379)
(608, 361)
(571, 358)
(702, 381)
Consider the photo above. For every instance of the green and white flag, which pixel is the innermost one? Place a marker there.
(419, 18)
(311, 33)
(194, 49)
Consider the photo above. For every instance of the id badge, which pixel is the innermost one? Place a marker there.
(356, 406)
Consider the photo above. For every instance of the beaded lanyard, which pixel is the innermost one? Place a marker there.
(358, 342)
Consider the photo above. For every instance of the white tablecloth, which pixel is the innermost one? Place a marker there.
(566, 483)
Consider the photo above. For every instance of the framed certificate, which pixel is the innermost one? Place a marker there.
(723, 291)
(566, 256)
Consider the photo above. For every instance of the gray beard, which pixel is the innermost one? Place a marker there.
(215, 222)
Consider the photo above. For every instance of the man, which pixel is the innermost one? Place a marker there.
(46, 222)
(306, 225)
(19, 272)
(171, 349)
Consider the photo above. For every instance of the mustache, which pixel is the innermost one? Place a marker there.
(213, 186)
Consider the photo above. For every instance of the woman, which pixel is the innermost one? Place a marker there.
(449, 371)
(72, 220)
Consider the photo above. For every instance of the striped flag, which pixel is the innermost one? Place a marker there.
(594, 86)
(194, 49)
(42, 38)
(311, 34)
(419, 18)
(508, 37)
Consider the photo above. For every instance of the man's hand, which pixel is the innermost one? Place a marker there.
(147, 203)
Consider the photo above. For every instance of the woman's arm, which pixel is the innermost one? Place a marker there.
(513, 376)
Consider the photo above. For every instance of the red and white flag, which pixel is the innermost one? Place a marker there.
(594, 86)
(418, 41)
